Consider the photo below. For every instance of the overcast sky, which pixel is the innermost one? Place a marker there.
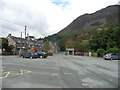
(44, 17)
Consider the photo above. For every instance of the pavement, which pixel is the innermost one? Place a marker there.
(59, 71)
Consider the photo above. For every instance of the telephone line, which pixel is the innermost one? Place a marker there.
(11, 22)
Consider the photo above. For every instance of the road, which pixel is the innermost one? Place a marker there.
(59, 71)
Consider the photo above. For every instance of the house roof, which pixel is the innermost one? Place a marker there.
(17, 39)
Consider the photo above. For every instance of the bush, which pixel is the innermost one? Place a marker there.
(94, 54)
(112, 50)
(50, 54)
(100, 52)
(24, 51)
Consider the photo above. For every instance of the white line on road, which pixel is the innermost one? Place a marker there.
(54, 74)
(7, 74)
(68, 73)
(21, 71)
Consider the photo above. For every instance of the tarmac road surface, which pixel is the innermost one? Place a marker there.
(59, 71)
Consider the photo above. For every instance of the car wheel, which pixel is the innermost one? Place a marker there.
(41, 56)
(31, 57)
(22, 56)
(111, 58)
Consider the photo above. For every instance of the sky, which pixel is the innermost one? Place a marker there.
(44, 17)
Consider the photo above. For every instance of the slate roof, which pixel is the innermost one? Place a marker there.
(17, 39)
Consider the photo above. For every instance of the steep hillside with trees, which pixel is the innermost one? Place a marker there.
(99, 19)
(97, 32)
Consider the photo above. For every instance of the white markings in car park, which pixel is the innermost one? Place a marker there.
(91, 82)
(13, 73)
(84, 84)
(21, 71)
(68, 73)
(55, 74)
(7, 74)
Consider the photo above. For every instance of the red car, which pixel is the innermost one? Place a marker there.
(79, 53)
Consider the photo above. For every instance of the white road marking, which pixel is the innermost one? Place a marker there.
(67, 73)
(28, 71)
(2, 77)
(84, 84)
(12, 73)
(21, 71)
(7, 74)
(55, 74)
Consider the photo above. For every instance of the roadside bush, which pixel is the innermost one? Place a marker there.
(94, 54)
(24, 51)
(112, 50)
(7, 53)
(100, 52)
(50, 54)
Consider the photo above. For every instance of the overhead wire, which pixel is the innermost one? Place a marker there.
(11, 21)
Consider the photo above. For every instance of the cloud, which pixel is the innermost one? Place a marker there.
(44, 17)
(119, 2)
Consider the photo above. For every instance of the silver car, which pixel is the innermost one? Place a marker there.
(111, 56)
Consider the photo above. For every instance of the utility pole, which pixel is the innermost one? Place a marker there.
(20, 45)
(25, 38)
(21, 34)
(25, 31)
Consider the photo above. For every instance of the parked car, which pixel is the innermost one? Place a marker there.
(111, 56)
(41, 54)
(29, 55)
(79, 53)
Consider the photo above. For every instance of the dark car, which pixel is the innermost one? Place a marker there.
(111, 56)
(79, 53)
(29, 55)
(41, 54)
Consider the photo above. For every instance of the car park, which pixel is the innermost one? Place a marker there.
(111, 56)
(79, 53)
(41, 54)
(29, 55)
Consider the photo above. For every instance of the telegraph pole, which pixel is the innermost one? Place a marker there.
(25, 38)
(20, 45)
(25, 31)
(21, 34)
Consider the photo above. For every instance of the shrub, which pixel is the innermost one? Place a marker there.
(94, 54)
(50, 54)
(24, 51)
(100, 52)
(112, 50)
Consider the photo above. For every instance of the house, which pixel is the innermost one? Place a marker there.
(24, 43)
(69, 51)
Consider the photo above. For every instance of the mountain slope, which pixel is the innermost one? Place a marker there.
(99, 19)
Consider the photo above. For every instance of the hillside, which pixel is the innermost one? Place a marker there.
(81, 32)
(99, 19)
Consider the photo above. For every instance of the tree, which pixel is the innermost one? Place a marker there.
(61, 44)
(100, 52)
(46, 46)
(106, 39)
(112, 50)
(4, 43)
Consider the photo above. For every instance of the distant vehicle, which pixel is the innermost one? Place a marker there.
(41, 54)
(111, 56)
(29, 55)
(79, 53)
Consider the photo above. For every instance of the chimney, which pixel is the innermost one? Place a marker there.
(9, 35)
(21, 34)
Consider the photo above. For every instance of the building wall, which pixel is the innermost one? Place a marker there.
(11, 42)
